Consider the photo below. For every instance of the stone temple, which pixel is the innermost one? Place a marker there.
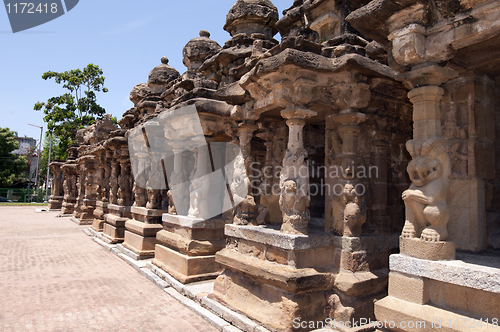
(362, 182)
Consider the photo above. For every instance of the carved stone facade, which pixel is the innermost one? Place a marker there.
(327, 176)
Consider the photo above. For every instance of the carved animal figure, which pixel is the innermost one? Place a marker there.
(425, 200)
(354, 212)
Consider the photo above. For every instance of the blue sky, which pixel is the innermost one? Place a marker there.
(125, 38)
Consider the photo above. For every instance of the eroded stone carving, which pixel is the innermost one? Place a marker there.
(354, 211)
(294, 200)
(426, 207)
(456, 135)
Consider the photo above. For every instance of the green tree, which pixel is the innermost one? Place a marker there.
(11, 165)
(78, 107)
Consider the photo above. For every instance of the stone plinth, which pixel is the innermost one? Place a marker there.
(442, 292)
(140, 234)
(68, 205)
(274, 277)
(440, 250)
(84, 212)
(100, 211)
(114, 227)
(55, 202)
(187, 247)
(362, 277)
(84, 215)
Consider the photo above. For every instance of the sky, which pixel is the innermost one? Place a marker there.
(126, 39)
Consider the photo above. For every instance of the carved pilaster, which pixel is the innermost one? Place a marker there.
(294, 177)
(427, 210)
(246, 211)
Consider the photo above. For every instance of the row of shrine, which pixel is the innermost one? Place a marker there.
(391, 109)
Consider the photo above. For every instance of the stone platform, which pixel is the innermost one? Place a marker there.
(187, 247)
(55, 202)
(114, 228)
(447, 292)
(275, 277)
(100, 211)
(81, 222)
(140, 233)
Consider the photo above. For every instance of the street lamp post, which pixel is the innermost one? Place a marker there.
(37, 178)
(48, 168)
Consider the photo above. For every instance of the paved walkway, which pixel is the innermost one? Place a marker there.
(53, 277)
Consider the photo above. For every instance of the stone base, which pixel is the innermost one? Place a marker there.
(274, 277)
(442, 292)
(114, 227)
(98, 225)
(131, 254)
(427, 250)
(140, 237)
(67, 208)
(272, 307)
(187, 246)
(114, 234)
(400, 313)
(82, 222)
(143, 247)
(186, 268)
(55, 202)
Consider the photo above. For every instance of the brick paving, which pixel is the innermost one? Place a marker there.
(53, 277)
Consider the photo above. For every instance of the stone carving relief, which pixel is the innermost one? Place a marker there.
(456, 135)
(113, 181)
(294, 198)
(246, 211)
(427, 211)
(354, 211)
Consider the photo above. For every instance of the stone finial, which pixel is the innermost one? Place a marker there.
(252, 16)
(162, 76)
(204, 33)
(197, 50)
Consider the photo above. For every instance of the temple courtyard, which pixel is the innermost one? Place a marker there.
(55, 278)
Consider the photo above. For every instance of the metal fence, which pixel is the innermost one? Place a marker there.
(22, 195)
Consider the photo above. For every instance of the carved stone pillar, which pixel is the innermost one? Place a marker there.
(125, 189)
(352, 197)
(56, 197)
(120, 192)
(380, 222)
(139, 190)
(80, 190)
(200, 184)
(91, 187)
(267, 177)
(333, 152)
(102, 179)
(294, 178)
(113, 180)
(69, 186)
(86, 201)
(427, 210)
(178, 182)
(279, 147)
(190, 238)
(246, 211)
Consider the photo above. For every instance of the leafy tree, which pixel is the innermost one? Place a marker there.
(11, 165)
(75, 109)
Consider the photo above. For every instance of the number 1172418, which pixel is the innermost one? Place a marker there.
(29, 8)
